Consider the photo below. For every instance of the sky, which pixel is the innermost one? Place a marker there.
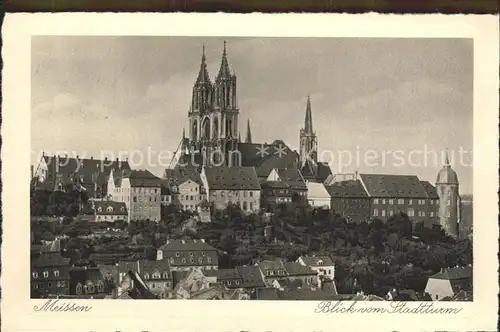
(391, 106)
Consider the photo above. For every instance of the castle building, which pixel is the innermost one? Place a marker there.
(447, 186)
(57, 173)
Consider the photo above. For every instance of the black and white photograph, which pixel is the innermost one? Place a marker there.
(226, 168)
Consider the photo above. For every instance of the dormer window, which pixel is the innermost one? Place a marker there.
(100, 286)
(109, 209)
(172, 261)
(203, 253)
(165, 275)
(209, 260)
(35, 275)
(45, 274)
(200, 260)
(177, 254)
(56, 273)
(184, 260)
(79, 289)
(156, 275)
(146, 275)
(99, 209)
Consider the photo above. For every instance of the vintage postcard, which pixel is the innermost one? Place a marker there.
(311, 172)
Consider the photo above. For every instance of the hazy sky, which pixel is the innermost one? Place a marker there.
(112, 94)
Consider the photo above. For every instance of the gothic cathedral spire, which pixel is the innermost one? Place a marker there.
(249, 133)
(203, 77)
(308, 140)
(308, 126)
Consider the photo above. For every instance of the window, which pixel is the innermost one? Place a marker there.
(448, 214)
(165, 275)
(109, 209)
(209, 260)
(50, 285)
(432, 214)
(410, 201)
(45, 274)
(56, 273)
(375, 213)
(35, 275)
(251, 194)
(221, 194)
(191, 198)
(42, 286)
(35, 285)
(156, 275)
(177, 254)
(203, 253)
(244, 194)
(383, 213)
(391, 213)
(251, 206)
(184, 260)
(448, 202)
(200, 260)
(244, 205)
(391, 201)
(401, 201)
(411, 212)
(79, 288)
(375, 201)
(172, 261)
(383, 201)
(100, 286)
(229, 282)
(135, 198)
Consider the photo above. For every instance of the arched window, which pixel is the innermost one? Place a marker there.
(100, 286)
(206, 128)
(79, 289)
(215, 131)
(195, 130)
(146, 275)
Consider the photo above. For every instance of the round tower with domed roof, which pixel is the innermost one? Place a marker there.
(449, 199)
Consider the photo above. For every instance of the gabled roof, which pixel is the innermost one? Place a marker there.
(461, 272)
(289, 178)
(318, 173)
(88, 170)
(150, 267)
(50, 259)
(142, 178)
(296, 269)
(317, 261)
(350, 188)
(105, 207)
(389, 185)
(187, 245)
(430, 190)
(274, 265)
(232, 178)
(223, 274)
(251, 276)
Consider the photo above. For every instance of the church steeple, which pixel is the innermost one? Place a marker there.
(308, 127)
(203, 76)
(249, 133)
(224, 72)
(308, 139)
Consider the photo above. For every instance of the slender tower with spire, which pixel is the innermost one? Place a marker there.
(308, 140)
(447, 186)
(248, 139)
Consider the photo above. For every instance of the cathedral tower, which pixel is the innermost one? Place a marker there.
(449, 199)
(308, 140)
(213, 114)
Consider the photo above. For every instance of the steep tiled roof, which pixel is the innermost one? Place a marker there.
(49, 259)
(296, 269)
(142, 178)
(430, 190)
(180, 175)
(463, 272)
(189, 253)
(105, 207)
(388, 185)
(88, 170)
(223, 274)
(251, 276)
(187, 245)
(317, 260)
(151, 267)
(318, 174)
(232, 178)
(350, 188)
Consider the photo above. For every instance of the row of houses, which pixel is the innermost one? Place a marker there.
(139, 194)
(188, 269)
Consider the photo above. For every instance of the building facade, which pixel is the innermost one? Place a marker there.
(140, 190)
(184, 255)
(232, 185)
(350, 200)
(103, 210)
(282, 186)
(50, 275)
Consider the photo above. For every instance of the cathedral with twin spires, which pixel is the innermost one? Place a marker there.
(213, 137)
